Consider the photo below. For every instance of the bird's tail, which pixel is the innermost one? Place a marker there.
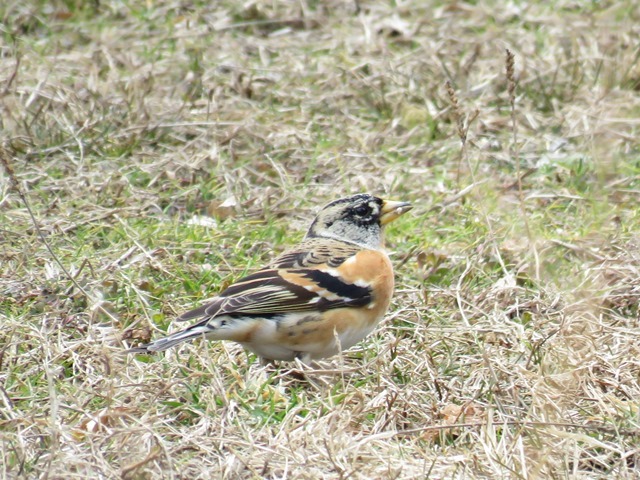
(163, 344)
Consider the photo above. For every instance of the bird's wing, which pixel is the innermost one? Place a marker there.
(275, 291)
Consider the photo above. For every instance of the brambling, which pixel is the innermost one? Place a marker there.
(313, 301)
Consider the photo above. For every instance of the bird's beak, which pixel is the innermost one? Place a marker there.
(392, 210)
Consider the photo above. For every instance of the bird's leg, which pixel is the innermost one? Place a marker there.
(302, 361)
(304, 357)
(267, 362)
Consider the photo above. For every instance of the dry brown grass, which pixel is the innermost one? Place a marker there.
(512, 347)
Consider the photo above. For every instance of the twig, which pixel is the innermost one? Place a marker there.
(13, 182)
(13, 75)
(626, 432)
(456, 196)
(153, 454)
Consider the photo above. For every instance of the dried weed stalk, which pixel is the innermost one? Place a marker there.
(461, 129)
(515, 151)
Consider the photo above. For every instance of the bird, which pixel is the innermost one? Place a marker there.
(313, 301)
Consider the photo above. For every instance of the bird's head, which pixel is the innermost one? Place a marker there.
(358, 219)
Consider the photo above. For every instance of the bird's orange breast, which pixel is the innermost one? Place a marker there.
(328, 332)
(373, 268)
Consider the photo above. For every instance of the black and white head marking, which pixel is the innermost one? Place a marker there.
(353, 219)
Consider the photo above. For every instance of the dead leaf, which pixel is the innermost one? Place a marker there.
(101, 422)
(222, 210)
(469, 413)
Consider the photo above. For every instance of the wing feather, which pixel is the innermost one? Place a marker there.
(275, 291)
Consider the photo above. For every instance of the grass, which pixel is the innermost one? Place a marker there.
(511, 348)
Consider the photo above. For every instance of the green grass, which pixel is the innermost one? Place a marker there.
(515, 316)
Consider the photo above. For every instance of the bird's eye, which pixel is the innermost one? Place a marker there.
(362, 210)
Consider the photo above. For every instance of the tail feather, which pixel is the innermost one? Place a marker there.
(165, 343)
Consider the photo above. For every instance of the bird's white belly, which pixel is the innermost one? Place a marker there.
(271, 351)
(269, 347)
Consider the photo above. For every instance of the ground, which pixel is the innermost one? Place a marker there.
(153, 152)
